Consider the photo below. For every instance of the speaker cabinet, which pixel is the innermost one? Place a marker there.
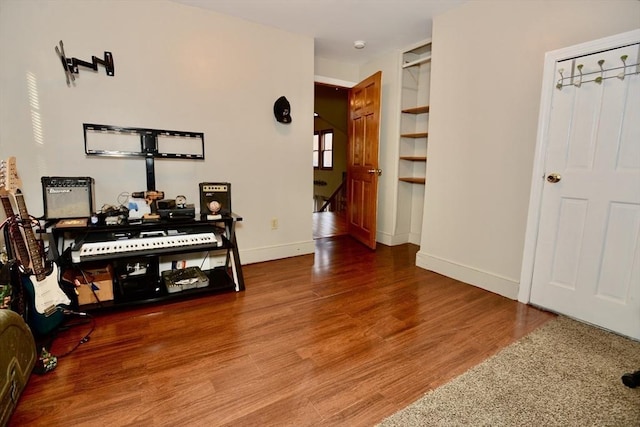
(67, 197)
(213, 196)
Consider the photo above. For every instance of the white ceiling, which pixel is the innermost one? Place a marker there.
(335, 25)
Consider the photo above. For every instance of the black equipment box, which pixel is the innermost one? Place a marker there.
(67, 197)
(188, 212)
(137, 277)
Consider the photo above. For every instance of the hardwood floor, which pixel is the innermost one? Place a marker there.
(329, 224)
(347, 337)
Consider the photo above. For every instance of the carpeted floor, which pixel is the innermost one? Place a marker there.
(565, 373)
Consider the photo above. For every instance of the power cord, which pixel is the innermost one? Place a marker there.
(204, 259)
(92, 286)
(86, 337)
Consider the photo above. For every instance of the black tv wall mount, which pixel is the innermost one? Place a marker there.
(70, 65)
(116, 141)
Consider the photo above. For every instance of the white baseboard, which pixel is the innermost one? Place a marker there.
(270, 253)
(482, 279)
(384, 238)
(389, 239)
(397, 239)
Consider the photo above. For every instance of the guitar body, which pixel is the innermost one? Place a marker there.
(44, 298)
(47, 292)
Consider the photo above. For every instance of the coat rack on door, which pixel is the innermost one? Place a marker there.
(577, 77)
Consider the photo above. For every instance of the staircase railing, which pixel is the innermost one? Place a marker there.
(337, 202)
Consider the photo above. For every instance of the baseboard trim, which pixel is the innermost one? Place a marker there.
(481, 279)
(391, 239)
(384, 238)
(397, 239)
(270, 253)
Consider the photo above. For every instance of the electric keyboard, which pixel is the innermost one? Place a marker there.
(144, 244)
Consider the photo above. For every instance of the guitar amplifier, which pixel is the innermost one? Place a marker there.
(215, 198)
(67, 197)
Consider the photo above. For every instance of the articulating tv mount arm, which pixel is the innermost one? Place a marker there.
(70, 65)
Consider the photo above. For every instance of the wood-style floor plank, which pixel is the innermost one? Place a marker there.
(329, 224)
(346, 336)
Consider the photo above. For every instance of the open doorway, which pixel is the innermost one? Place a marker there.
(330, 160)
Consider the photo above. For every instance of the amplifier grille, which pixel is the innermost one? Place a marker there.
(67, 197)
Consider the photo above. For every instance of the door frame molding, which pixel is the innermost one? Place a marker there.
(537, 179)
(333, 82)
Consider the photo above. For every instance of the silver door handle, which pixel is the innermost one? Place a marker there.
(554, 177)
(378, 171)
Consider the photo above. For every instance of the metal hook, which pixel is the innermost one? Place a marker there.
(601, 77)
(559, 84)
(579, 83)
(623, 58)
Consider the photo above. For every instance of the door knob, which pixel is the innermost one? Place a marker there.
(554, 177)
(378, 171)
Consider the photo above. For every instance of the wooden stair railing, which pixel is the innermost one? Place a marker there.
(336, 196)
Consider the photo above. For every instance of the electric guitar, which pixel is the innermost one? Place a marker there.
(15, 236)
(45, 295)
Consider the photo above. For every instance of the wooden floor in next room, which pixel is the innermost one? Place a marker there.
(329, 224)
(346, 336)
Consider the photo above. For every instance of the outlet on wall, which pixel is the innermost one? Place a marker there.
(274, 223)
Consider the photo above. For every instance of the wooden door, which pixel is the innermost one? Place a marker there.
(362, 159)
(587, 258)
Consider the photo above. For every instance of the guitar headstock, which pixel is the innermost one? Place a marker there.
(10, 182)
(3, 178)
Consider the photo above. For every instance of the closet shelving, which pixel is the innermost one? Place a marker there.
(414, 66)
(416, 63)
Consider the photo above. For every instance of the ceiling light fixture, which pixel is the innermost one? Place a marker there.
(359, 44)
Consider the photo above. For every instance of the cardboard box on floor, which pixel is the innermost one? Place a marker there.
(102, 278)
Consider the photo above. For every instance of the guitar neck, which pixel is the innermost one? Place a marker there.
(14, 233)
(34, 251)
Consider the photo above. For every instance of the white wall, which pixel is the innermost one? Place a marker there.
(334, 72)
(485, 92)
(177, 68)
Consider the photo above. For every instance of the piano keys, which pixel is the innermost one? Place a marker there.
(151, 243)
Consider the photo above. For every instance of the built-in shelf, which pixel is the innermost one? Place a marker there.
(414, 126)
(413, 180)
(415, 135)
(417, 110)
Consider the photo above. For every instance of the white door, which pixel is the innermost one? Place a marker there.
(587, 256)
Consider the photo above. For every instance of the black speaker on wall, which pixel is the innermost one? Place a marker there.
(67, 197)
(215, 198)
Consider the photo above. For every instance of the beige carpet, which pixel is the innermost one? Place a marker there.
(565, 373)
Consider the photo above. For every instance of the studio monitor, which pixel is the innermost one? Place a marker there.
(67, 197)
(215, 198)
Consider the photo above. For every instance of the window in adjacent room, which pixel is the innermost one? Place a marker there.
(323, 149)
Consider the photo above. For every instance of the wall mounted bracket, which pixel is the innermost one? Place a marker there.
(70, 65)
(116, 141)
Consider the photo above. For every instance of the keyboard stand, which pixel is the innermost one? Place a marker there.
(137, 254)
